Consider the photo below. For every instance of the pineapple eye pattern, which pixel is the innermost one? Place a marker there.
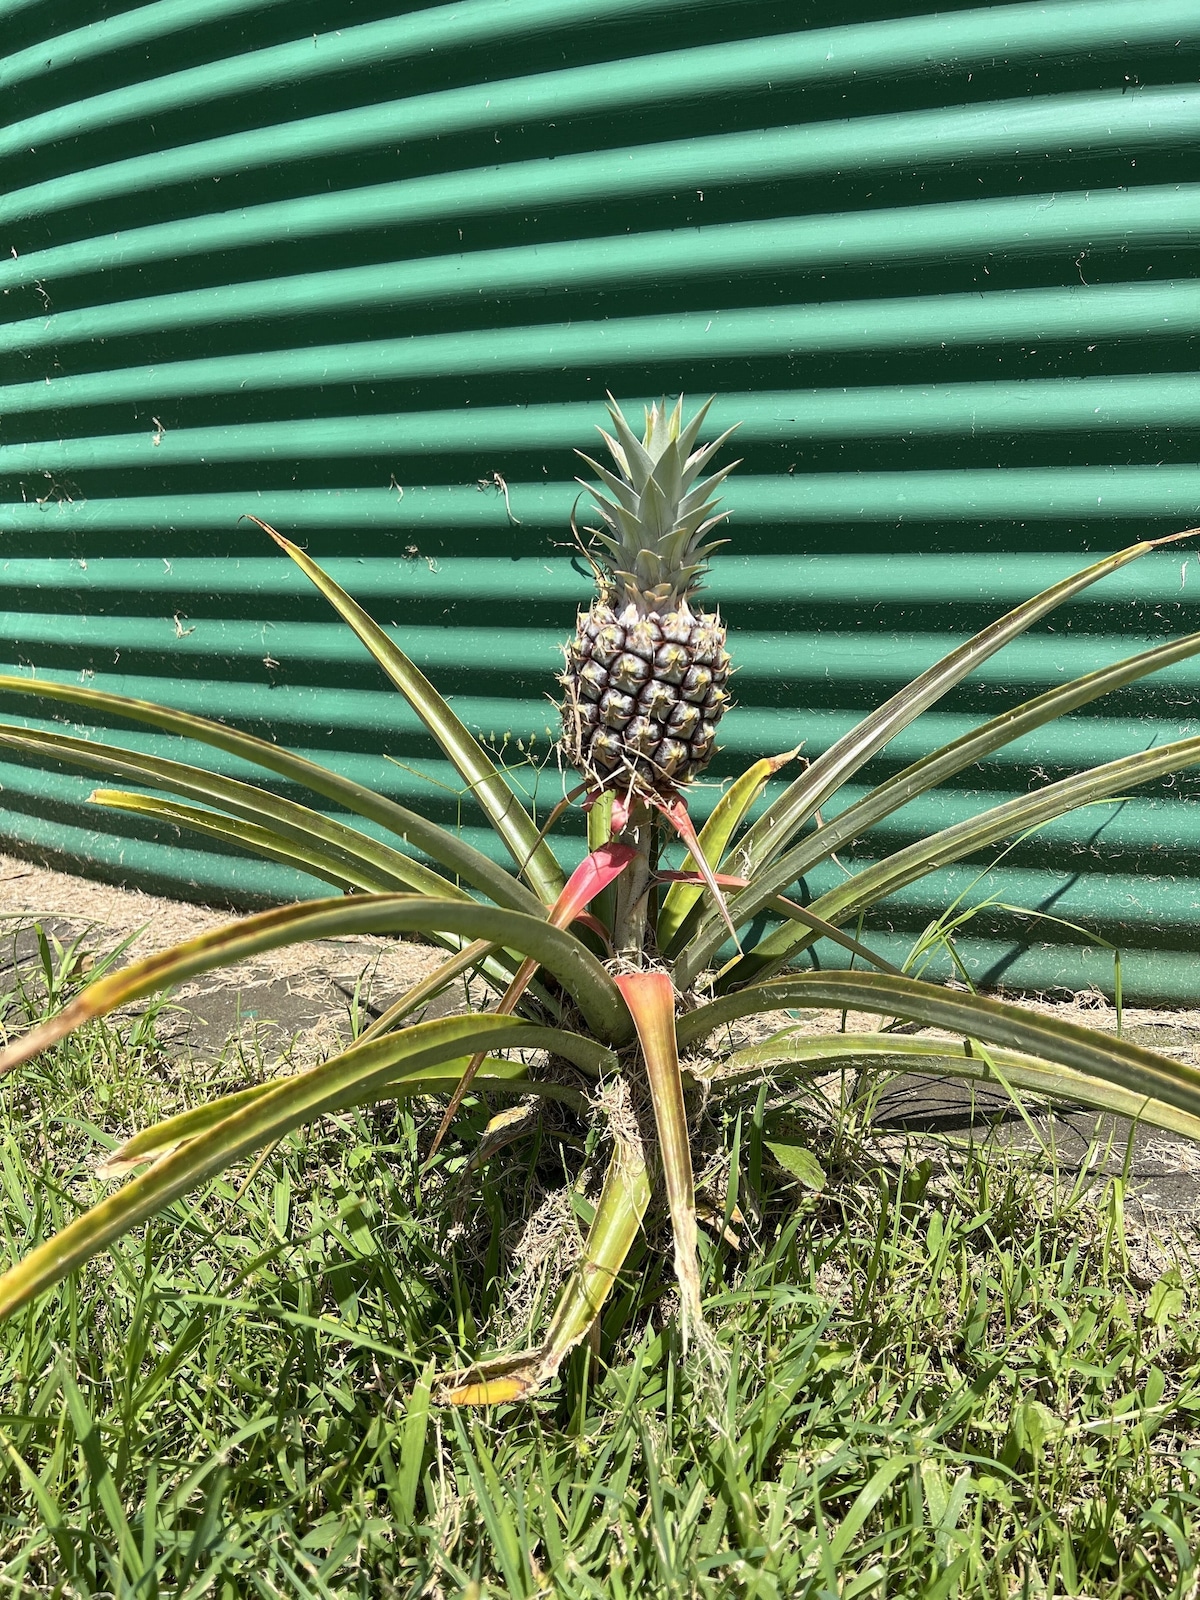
(655, 663)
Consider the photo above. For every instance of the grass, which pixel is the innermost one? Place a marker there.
(949, 1371)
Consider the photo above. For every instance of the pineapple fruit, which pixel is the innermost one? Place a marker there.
(645, 682)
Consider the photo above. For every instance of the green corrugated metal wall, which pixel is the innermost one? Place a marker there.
(942, 267)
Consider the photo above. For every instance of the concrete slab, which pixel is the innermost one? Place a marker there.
(1162, 1170)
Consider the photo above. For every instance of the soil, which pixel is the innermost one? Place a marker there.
(297, 998)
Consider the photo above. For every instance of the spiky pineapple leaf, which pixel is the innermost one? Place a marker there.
(497, 1076)
(897, 791)
(1142, 1072)
(265, 842)
(379, 865)
(650, 997)
(594, 873)
(559, 952)
(793, 1053)
(872, 884)
(409, 826)
(262, 1120)
(782, 820)
(531, 854)
(619, 1213)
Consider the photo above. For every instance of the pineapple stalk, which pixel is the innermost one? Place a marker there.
(631, 922)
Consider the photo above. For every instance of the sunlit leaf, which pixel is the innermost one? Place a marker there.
(622, 1205)
(497, 1076)
(650, 996)
(594, 873)
(381, 865)
(723, 822)
(828, 773)
(282, 1107)
(409, 826)
(872, 884)
(533, 857)
(798, 1161)
(1142, 1072)
(793, 1052)
(266, 842)
(561, 954)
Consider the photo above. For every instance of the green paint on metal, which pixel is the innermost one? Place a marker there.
(942, 268)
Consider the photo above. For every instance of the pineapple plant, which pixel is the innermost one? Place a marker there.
(645, 682)
(605, 1000)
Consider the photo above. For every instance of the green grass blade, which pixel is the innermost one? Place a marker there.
(386, 867)
(936, 767)
(1142, 1072)
(1015, 816)
(412, 1448)
(440, 845)
(559, 952)
(88, 1439)
(723, 822)
(794, 1053)
(51, 1514)
(619, 1213)
(285, 1106)
(533, 857)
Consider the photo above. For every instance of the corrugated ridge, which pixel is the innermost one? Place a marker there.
(828, 581)
(1021, 226)
(972, 136)
(1080, 405)
(1156, 494)
(938, 266)
(143, 25)
(898, 47)
(319, 55)
(1034, 316)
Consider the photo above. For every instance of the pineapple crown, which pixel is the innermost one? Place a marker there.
(657, 515)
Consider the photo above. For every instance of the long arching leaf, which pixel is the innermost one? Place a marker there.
(779, 824)
(533, 857)
(559, 952)
(1142, 1072)
(429, 987)
(591, 877)
(874, 883)
(385, 867)
(793, 1053)
(266, 842)
(286, 1105)
(933, 769)
(496, 1076)
(276, 847)
(413, 829)
(622, 1205)
(650, 996)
